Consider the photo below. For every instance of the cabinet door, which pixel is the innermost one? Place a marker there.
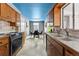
(5, 11)
(0, 9)
(58, 53)
(57, 16)
(70, 53)
(67, 53)
(54, 48)
(50, 49)
(58, 48)
(12, 15)
(18, 17)
(4, 50)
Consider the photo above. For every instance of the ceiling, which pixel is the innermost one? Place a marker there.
(34, 10)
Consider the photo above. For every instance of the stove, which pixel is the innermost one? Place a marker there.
(15, 41)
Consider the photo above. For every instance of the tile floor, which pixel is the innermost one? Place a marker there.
(33, 47)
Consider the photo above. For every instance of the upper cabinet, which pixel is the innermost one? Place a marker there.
(57, 14)
(5, 12)
(12, 15)
(8, 14)
(18, 17)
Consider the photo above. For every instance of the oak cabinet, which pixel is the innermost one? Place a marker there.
(57, 14)
(4, 50)
(57, 17)
(12, 15)
(68, 52)
(50, 49)
(53, 48)
(4, 46)
(5, 12)
(23, 38)
(18, 17)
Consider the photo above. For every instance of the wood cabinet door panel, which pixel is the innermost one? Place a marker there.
(53, 47)
(4, 50)
(18, 17)
(50, 49)
(70, 53)
(5, 12)
(67, 53)
(12, 15)
(58, 47)
(4, 40)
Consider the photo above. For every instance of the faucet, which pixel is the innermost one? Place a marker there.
(58, 31)
(67, 33)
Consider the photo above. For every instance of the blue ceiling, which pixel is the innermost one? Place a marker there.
(34, 10)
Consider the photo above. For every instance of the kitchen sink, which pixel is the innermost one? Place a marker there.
(58, 35)
(63, 37)
(68, 39)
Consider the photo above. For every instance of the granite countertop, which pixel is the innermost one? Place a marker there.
(3, 35)
(73, 44)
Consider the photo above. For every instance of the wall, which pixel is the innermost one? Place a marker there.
(45, 25)
(23, 24)
(27, 29)
(5, 27)
(41, 27)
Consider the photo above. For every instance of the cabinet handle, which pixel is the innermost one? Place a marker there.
(0, 42)
(7, 16)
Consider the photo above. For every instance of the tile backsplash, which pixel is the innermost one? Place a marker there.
(5, 27)
(74, 33)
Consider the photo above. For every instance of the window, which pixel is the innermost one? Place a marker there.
(67, 16)
(76, 15)
(70, 16)
(36, 26)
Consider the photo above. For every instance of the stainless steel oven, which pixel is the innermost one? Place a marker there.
(15, 42)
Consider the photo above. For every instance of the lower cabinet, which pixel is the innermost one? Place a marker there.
(56, 49)
(67, 53)
(4, 50)
(50, 49)
(70, 53)
(53, 48)
(4, 46)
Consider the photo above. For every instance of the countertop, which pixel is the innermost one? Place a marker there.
(73, 44)
(3, 35)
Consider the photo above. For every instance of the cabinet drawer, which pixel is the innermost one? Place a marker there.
(3, 41)
(4, 50)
